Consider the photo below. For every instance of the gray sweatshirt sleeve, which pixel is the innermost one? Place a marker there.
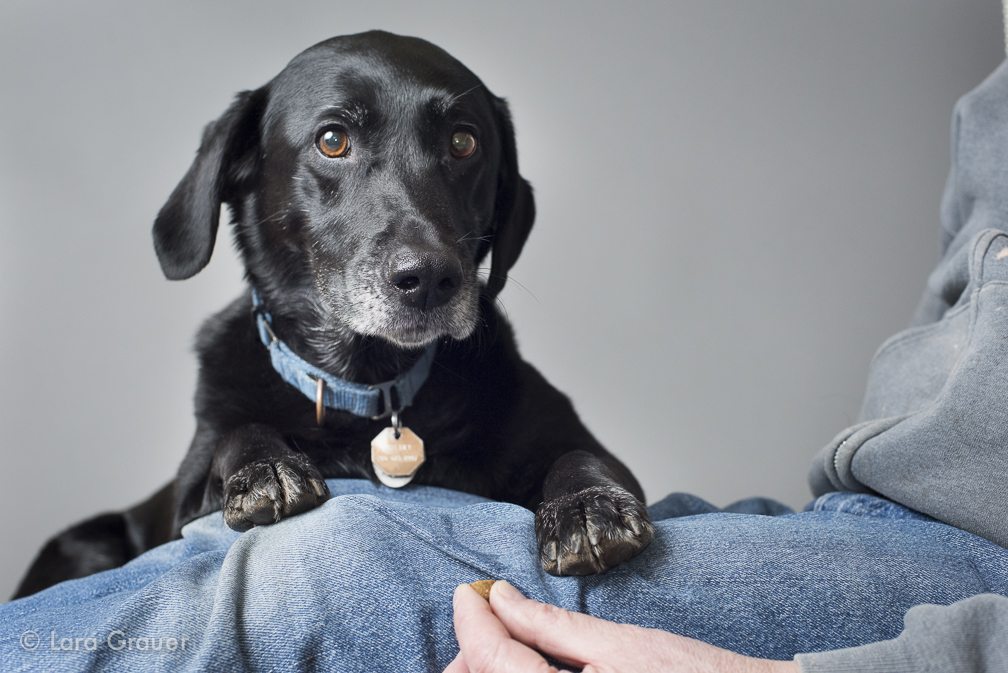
(933, 428)
(970, 636)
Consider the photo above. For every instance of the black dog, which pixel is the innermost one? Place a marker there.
(367, 181)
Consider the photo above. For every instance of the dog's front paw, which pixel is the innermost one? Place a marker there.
(591, 531)
(265, 491)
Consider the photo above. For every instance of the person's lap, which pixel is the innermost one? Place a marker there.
(365, 583)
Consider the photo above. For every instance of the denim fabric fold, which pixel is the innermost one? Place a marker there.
(364, 583)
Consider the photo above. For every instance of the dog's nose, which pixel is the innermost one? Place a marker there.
(425, 281)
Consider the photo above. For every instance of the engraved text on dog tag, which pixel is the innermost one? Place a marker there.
(396, 460)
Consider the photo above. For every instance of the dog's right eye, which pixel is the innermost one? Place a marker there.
(333, 142)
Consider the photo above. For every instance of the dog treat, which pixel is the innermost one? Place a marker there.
(482, 587)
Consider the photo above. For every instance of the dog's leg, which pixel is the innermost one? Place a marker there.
(101, 542)
(263, 480)
(591, 517)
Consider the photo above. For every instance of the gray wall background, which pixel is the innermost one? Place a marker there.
(756, 186)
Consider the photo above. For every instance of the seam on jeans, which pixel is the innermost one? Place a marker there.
(976, 571)
(421, 534)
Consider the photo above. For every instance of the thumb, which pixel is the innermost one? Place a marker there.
(571, 637)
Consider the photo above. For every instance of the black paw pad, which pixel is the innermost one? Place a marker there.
(591, 531)
(265, 491)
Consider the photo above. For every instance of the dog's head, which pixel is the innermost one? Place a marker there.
(367, 181)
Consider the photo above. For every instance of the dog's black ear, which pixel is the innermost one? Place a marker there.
(515, 206)
(186, 226)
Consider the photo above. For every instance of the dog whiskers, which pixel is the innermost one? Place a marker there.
(467, 237)
(484, 272)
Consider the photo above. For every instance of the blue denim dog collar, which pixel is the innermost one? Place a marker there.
(327, 391)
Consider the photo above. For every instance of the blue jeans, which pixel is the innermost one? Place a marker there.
(364, 583)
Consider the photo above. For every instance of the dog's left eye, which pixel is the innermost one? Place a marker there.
(463, 144)
(333, 142)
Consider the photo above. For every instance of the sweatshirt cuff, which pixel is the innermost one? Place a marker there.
(887, 656)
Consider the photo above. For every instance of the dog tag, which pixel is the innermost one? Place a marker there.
(396, 460)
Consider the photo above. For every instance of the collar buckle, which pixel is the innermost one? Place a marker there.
(263, 318)
(269, 331)
(388, 408)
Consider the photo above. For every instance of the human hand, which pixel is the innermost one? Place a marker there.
(508, 633)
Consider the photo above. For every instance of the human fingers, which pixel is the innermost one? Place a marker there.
(485, 645)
